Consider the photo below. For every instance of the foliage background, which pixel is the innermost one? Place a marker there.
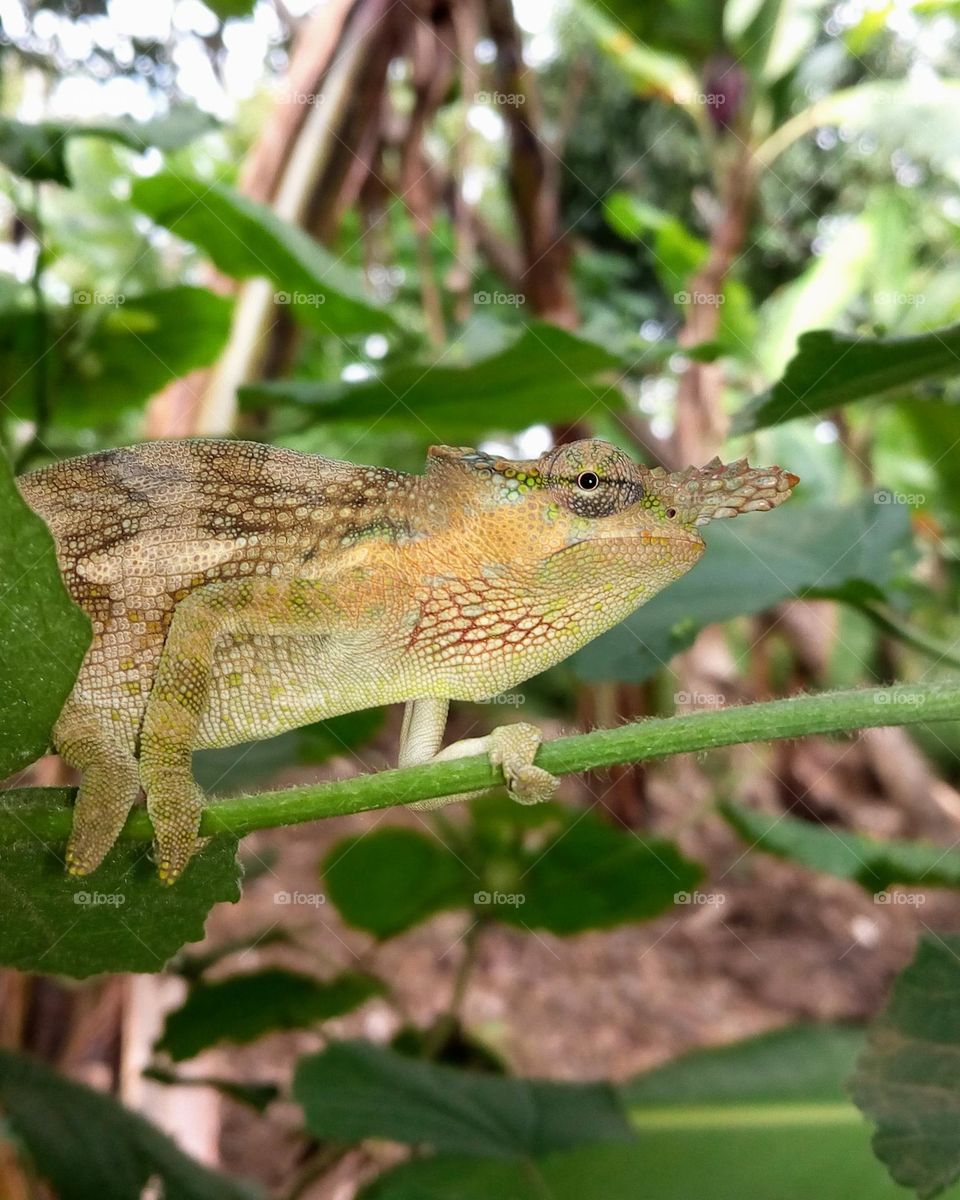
(359, 229)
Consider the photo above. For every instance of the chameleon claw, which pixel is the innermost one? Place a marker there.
(513, 749)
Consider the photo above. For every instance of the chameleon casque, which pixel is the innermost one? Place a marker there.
(238, 590)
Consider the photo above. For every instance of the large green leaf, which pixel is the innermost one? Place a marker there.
(355, 1090)
(244, 1007)
(873, 864)
(391, 879)
(908, 1080)
(542, 868)
(39, 152)
(246, 239)
(87, 1145)
(43, 635)
(757, 1120)
(831, 369)
(849, 551)
(120, 918)
(111, 350)
(545, 375)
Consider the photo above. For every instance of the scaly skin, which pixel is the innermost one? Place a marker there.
(239, 590)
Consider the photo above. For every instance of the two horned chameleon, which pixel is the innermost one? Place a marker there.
(238, 590)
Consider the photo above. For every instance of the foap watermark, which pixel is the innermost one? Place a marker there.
(313, 299)
(901, 696)
(511, 99)
(300, 899)
(100, 899)
(700, 899)
(510, 899)
(110, 299)
(700, 699)
(510, 699)
(909, 299)
(510, 299)
(708, 299)
(294, 97)
(910, 499)
(908, 899)
(707, 99)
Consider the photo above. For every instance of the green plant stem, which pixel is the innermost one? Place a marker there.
(831, 712)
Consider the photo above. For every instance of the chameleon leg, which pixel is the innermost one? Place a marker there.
(109, 786)
(510, 747)
(182, 688)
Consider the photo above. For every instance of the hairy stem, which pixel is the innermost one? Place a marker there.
(829, 712)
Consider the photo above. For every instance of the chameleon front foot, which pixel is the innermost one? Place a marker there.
(107, 793)
(175, 805)
(513, 749)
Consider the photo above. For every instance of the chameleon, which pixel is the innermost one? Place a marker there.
(238, 590)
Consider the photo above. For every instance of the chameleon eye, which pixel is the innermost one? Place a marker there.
(588, 481)
(671, 512)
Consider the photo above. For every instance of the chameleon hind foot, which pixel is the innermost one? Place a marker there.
(175, 805)
(512, 748)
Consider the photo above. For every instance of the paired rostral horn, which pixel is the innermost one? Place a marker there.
(702, 494)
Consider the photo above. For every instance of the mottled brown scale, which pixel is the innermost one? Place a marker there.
(238, 590)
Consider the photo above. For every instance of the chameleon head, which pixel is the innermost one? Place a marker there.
(603, 527)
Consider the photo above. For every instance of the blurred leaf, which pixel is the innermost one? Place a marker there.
(651, 71)
(771, 36)
(242, 1008)
(120, 918)
(258, 1096)
(39, 152)
(582, 873)
(821, 293)
(43, 634)
(831, 369)
(796, 1065)
(851, 551)
(391, 879)
(542, 867)
(87, 1145)
(230, 8)
(355, 1090)
(873, 864)
(935, 426)
(246, 239)
(545, 376)
(339, 735)
(907, 1079)
(112, 351)
(754, 1120)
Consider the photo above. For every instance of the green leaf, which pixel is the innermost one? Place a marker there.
(39, 152)
(43, 634)
(113, 351)
(849, 552)
(831, 369)
(754, 1120)
(356, 1090)
(244, 1007)
(581, 873)
(258, 1096)
(246, 239)
(389, 880)
(543, 867)
(545, 375)
(230, 8)
(907, 1079)
(121, 918)
(86, 1144)
(873, 864)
